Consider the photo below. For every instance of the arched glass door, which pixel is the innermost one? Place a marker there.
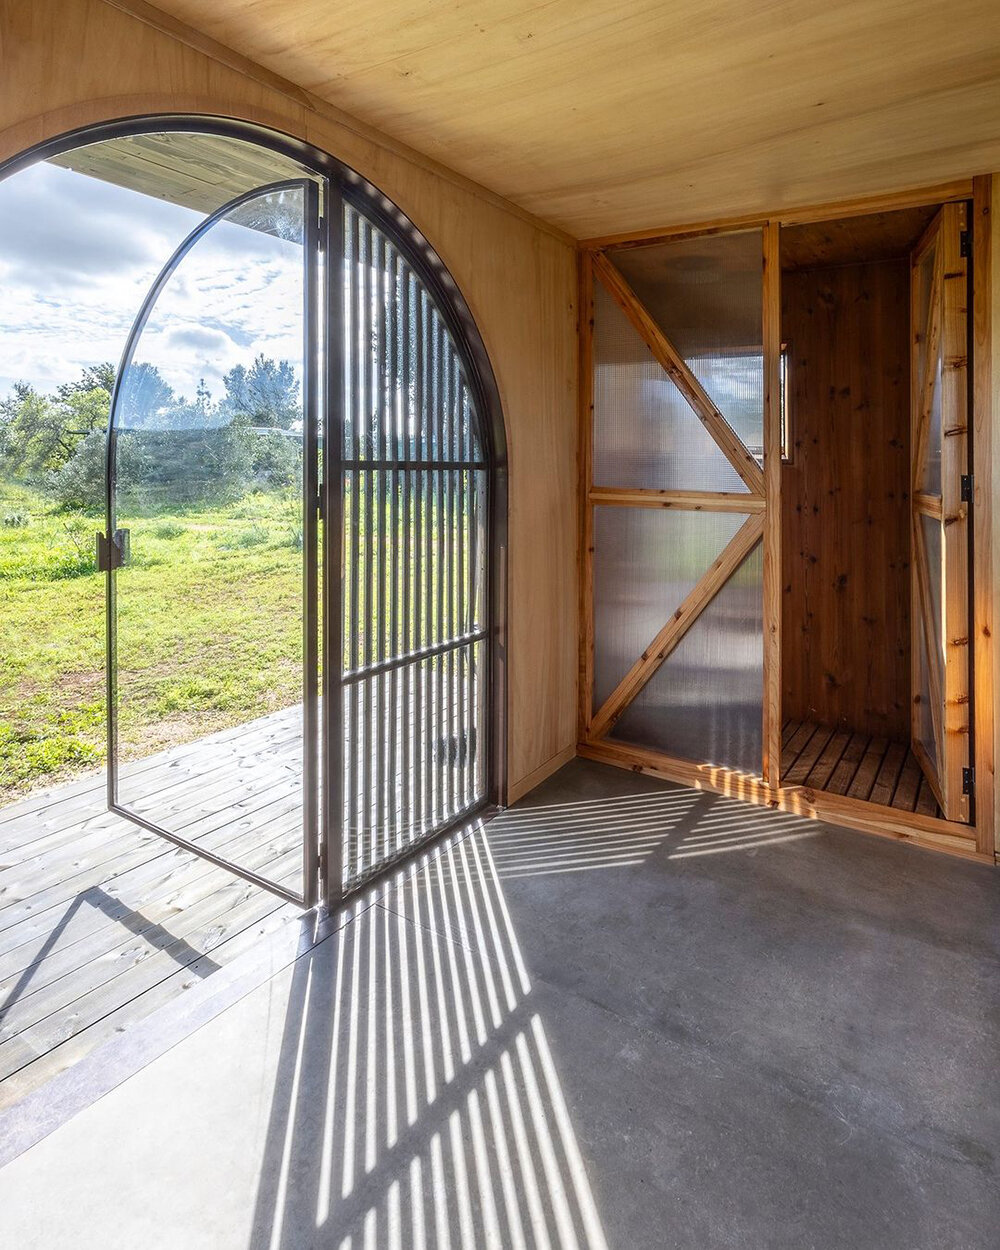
(299, 427)
(214, 420)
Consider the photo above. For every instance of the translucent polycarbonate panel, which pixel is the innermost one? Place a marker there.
(705, 702)
(407, 393)
(924, 723)
(932, 655)
(706, 295)
(646, 561)
(414, 754)
(208, 463)
(646, 434)
(929, 369)
(931, 528)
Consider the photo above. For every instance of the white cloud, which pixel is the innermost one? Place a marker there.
(77, 257)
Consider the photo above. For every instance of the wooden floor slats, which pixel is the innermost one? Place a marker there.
(858, 765)
(102, 922)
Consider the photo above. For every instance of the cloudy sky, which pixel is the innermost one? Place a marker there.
(77, 257)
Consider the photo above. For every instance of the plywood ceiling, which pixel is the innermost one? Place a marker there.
(603, 116)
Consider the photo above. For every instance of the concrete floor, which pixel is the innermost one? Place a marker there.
(624, 1015)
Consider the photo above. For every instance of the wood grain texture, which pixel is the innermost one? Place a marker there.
(940, 569)
(101, 924)
(955, 524)
(583, 111)
(986, 476)
(887, 774)
(773, 519)
(845, 539)
(585, 692)
(845, 241)
(918, 827)
(69, 63)
(824, 211)
(677, 500)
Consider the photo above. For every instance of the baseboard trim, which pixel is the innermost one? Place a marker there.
(518, 789)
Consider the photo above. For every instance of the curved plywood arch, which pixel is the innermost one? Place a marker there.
(83, 62)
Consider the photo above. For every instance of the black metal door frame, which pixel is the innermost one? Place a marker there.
(331, 186)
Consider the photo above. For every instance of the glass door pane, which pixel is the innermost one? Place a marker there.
(212, 474)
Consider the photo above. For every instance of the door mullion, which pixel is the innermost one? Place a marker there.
(310, 528)
(331, 335)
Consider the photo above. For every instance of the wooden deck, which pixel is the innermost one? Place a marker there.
(857, 765)
(103, 923)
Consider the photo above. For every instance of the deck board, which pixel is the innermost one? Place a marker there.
(808, 756)
(103, 922)
(842, 776)
(873, 769)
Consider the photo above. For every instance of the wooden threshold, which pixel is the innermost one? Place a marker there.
(929, 832)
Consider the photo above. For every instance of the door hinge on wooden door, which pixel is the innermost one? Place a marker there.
(965, 244)
(966, 488)
(968, 781)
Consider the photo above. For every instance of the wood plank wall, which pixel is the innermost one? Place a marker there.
(69, 63)
(845, 535)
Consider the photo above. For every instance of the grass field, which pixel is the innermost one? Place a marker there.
(209, 623)
(209, 630)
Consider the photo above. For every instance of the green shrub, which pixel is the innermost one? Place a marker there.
(66, 564)
(255, 536)
(28, 754)
(169, 529)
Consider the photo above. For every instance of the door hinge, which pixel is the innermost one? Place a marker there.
(966, 488)
(965, 244)
(968, 780)
(114, 552)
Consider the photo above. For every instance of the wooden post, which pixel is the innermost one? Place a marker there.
(985, 410)
(772, 492)
(586, 560)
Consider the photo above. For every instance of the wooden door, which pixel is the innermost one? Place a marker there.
(940, 493)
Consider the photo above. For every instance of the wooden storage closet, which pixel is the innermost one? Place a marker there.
(845, 492)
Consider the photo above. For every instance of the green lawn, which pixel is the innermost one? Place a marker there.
(209, 625)
(209, 630)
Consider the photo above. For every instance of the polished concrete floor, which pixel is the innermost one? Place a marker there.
(622, 1015)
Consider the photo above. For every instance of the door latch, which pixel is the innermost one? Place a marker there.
(114, 552)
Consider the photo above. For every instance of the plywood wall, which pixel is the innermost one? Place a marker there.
(68, 63)
(845, 524)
